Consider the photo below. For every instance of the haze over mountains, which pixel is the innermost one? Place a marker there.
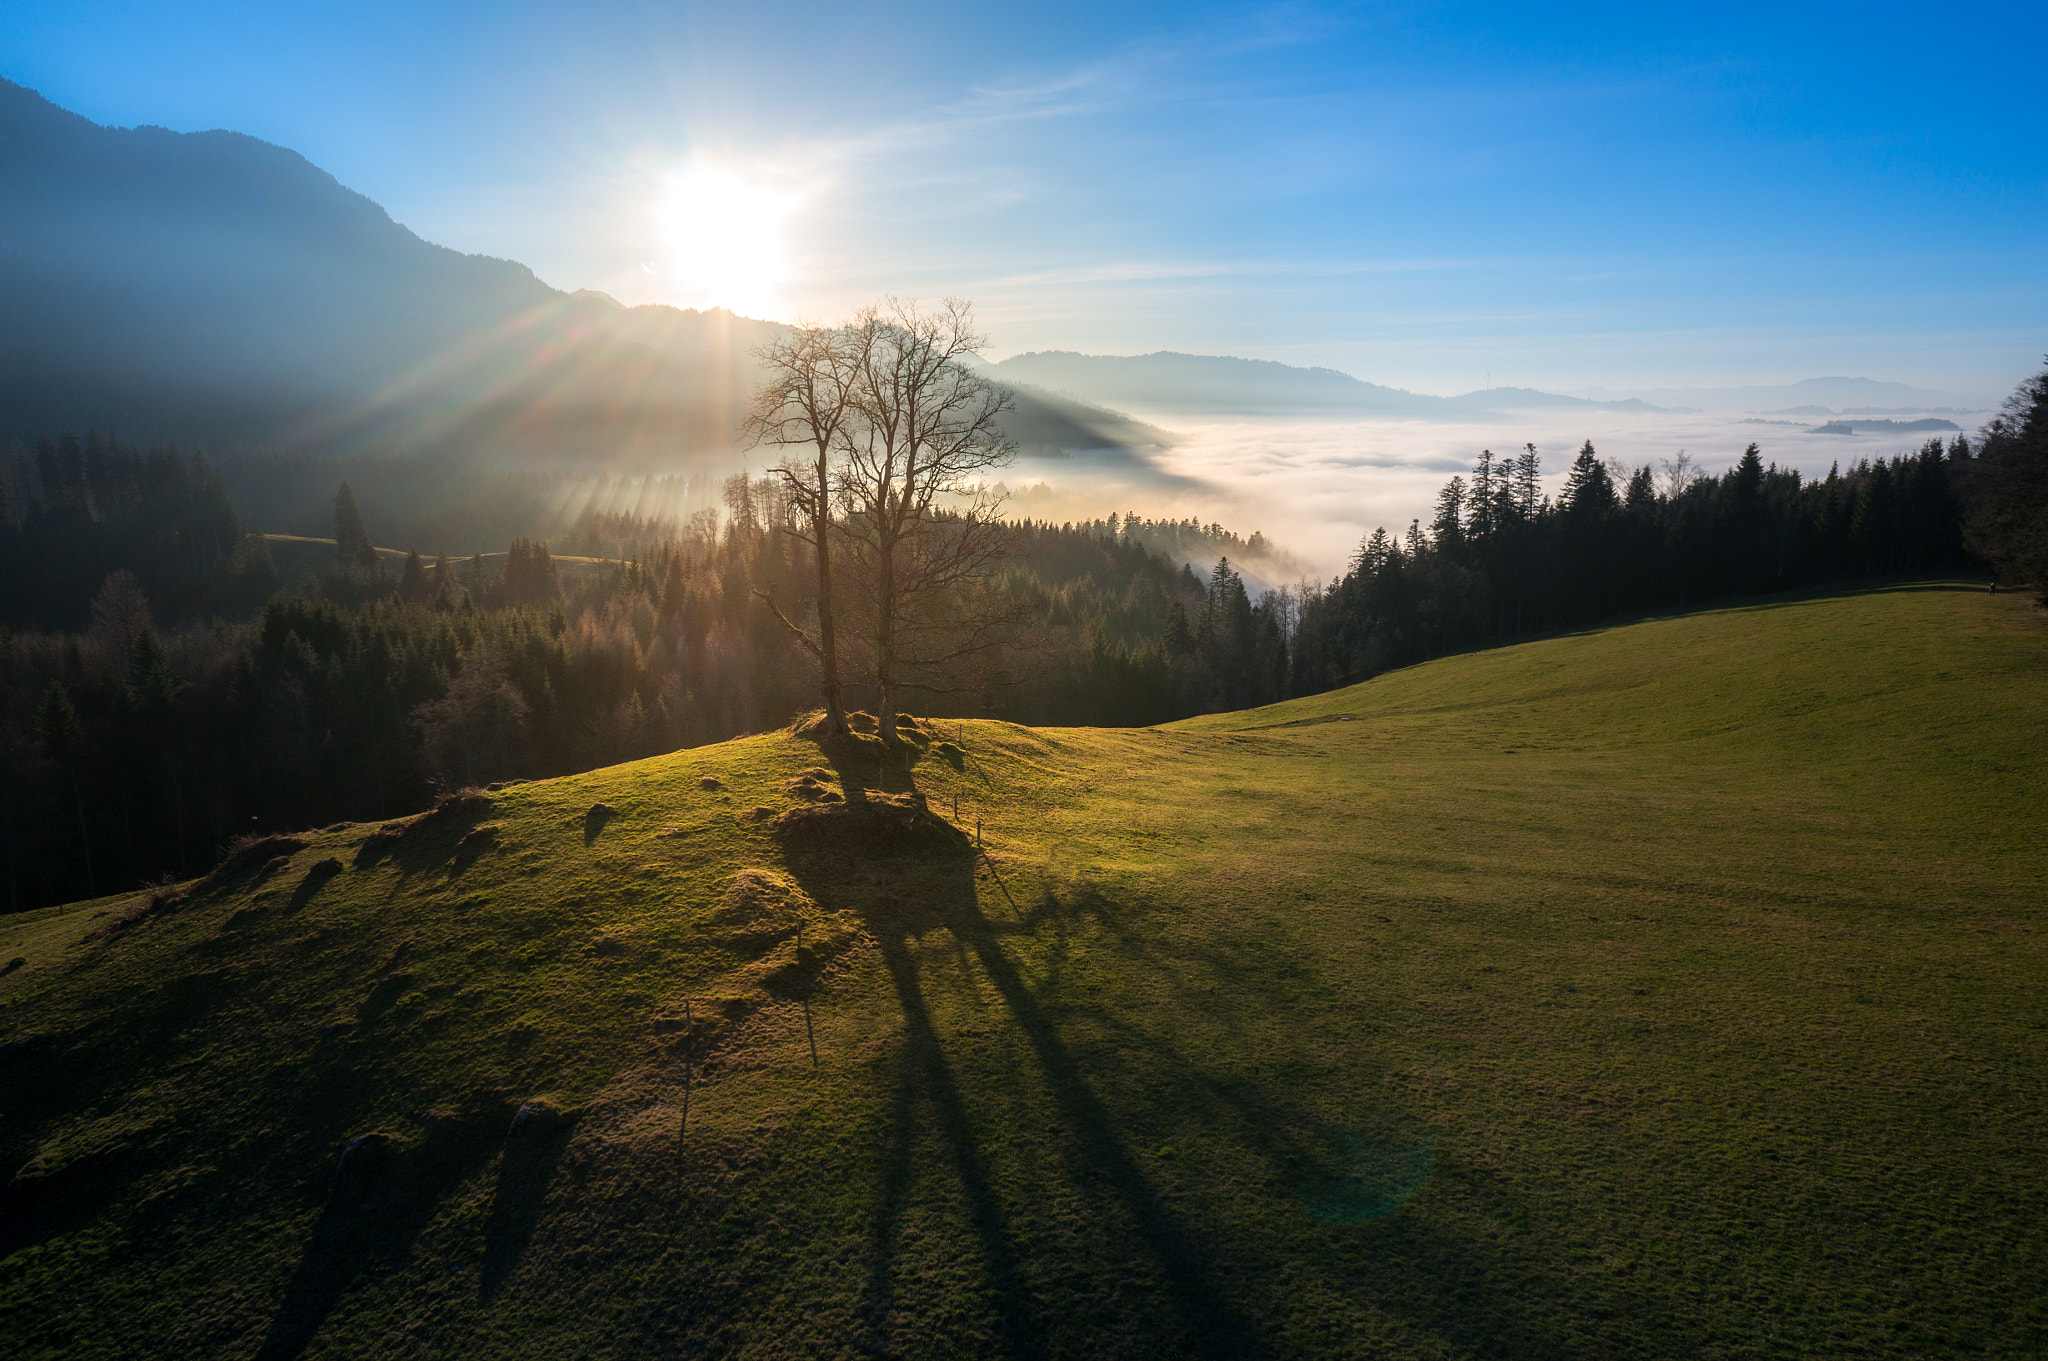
(214, 289)
(1810, 397)
(1218, 385)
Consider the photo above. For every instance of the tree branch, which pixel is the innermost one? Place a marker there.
(768, 598)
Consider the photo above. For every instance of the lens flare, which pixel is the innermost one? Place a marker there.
(725, 237)
(1365, 1168)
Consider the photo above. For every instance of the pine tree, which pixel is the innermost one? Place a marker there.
(1588, 490)
(412, 582)
(2008, 484)
(63, 738)
(351, 540)
(1479, 521)
(1447, 529)
(1527, 488)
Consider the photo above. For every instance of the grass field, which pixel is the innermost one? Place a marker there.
(1668, 990)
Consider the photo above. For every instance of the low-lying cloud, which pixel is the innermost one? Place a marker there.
(1316, 487)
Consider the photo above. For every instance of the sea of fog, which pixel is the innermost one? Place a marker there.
(1316, 487)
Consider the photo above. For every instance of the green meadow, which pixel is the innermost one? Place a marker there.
(1671, 989)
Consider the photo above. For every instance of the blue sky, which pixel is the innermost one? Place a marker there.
(1421, 194)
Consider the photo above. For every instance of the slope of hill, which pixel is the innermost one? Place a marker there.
(212, 288)
(1199, 384)
(1670, 989)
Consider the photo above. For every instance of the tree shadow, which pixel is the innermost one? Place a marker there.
(532, 1149)
(381, 1197)
(920, 893)
(863, 763)
(926, 1072)
(1323, 1146)
(448, 836)
(315, 879)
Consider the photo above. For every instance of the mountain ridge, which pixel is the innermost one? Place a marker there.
(1835, 393)
(213, 288)
(1170, 381)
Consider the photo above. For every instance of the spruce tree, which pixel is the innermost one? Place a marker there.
(412, 583)
(2008, 487)
(63, 738)
(351, 540)
(1526, 471)
(1447, 530)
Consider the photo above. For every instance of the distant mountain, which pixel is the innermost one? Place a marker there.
(1192, 384)
(212, 288)
(1878, 411)
(1810, 397)
(1884, 427)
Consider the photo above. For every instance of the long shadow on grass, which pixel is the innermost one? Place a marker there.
(925, 1069)
(449, 839)
(382, 1196)
(1339, 1138)
(936, 889)
(523, 1176)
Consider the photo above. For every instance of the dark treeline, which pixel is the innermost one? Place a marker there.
(75, 510)
(2006, 525)
(1499, 560)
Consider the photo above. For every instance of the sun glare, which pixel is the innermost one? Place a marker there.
(725, 239)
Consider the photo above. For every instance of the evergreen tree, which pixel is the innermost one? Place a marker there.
(412, 582)
(1588, 491)
(352, 546)
(1447, 528)
(1527, 488)
(62, 739)
(2008, 484)
(529, 577)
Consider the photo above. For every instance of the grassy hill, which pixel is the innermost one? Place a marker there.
(1669, 990)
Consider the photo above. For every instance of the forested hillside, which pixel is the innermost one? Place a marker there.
(1499, 560)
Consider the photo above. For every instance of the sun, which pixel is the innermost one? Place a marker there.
(725, 238)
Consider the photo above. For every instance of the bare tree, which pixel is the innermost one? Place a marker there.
(922, 525)
(808, 402)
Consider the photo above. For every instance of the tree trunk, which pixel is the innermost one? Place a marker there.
(828, 639)
(885, 642)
